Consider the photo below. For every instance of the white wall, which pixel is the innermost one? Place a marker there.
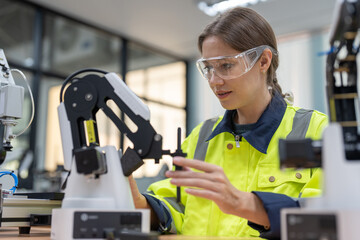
(302, 69)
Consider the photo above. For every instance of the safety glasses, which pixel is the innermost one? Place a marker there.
(229, 67)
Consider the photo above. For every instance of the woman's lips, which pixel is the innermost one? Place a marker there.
(222, 95)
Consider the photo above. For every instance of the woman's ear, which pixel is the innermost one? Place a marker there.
(265, 60)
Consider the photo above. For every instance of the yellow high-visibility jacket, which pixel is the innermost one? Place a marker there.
(250, 162)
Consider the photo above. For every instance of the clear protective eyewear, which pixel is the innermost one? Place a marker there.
(229, 67)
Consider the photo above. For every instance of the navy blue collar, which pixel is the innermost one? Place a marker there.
(259, 137)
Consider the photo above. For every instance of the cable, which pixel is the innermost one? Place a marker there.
(11, 173)
(32, 102)
(70, 77)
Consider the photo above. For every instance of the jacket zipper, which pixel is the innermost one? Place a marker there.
(237, 140)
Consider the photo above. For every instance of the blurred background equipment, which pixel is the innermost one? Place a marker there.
(17, 210)
(11, 106)
(335, 215)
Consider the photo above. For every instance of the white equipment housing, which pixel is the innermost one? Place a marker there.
(335, 215)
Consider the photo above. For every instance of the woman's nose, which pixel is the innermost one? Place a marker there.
(215, 79)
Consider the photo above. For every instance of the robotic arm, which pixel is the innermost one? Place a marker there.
(82, 100)
(11, 105)
(341, 88)
(97, 187)
(342, 76)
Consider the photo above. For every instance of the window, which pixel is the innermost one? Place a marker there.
(16, 28)
(161, 83)
(164, 89)
(67, 45)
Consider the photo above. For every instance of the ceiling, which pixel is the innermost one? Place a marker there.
(173, 25)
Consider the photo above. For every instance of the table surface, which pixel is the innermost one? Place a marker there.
(35, 233)
(43, 233)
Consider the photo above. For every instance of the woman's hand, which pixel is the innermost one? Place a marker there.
(211, 183)
(140, 202)
(139, 199)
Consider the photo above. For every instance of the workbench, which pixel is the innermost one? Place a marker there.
(43, 233)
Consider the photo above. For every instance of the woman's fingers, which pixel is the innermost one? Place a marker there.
(196, 164)
(186, 174)
(196, 183)
(202, 193)
(138, 198)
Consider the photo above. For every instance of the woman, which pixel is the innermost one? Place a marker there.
(231, 182)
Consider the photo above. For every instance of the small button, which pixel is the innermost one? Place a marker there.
(298, 175)
(271, 179)
(230, 146)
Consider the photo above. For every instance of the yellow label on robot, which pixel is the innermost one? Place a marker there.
(90, 130)
(332, 109)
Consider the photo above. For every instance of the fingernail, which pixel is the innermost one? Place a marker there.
(177, 159)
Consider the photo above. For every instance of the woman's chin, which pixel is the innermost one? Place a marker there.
(227, 105)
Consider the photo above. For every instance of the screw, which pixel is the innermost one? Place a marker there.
(157, 137)
(88, 97)
(74, 104)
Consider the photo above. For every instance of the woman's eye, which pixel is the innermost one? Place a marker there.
(227, 66)
(207, 69)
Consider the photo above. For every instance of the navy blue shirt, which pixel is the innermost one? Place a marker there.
(262, 132)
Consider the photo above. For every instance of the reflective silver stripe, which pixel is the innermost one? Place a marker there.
(301, 124)
(177, 206)
(204, 134)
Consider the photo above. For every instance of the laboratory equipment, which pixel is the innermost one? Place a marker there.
(98, 201)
